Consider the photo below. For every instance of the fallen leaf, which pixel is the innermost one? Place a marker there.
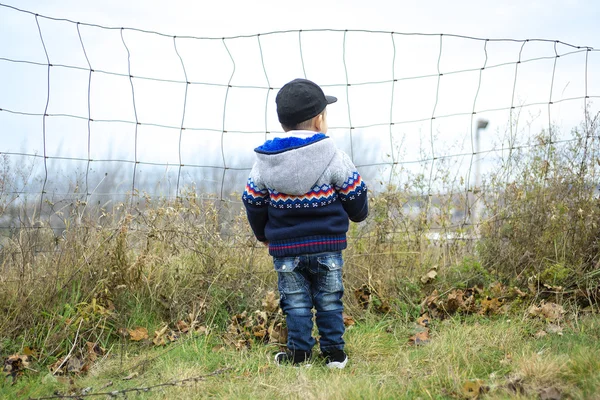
(131, 376)
(259, 332)
(14, 365)
(552, 311)
(54, 367)
(348, 320)
(159, 341)
(363, 295)
(270, 302)
(430, 301)
(159, 336)
(74, 365)
(172, 336)
(515, 384)
(420, 338)
(549, 311)
(423, 320)
(138, 334)
(472, 389)
(243, 344)
(278, 333)
(93, 351)
(430, 276)
(532, 285)
(183, 326)
(454, 301)
(490, 305)
(261, 318)
(161, 331)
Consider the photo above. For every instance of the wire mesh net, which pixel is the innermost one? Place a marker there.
(100, 114)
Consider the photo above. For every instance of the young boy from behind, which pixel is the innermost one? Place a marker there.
(300, 194)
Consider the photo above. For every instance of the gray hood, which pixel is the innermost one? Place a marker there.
(296, 171)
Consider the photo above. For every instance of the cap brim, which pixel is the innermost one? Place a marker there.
(330, 99)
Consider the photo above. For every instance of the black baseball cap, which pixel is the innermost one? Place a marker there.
(300, 100)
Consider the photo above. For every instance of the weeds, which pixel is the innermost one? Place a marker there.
(73, 291)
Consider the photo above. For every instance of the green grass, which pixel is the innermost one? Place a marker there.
(382, 365)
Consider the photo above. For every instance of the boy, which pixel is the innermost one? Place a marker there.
(299, 196)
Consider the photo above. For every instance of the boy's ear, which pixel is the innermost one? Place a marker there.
(318, 122)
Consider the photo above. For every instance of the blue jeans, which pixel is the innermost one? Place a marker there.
(307, 281)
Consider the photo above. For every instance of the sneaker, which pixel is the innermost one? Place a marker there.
(335, 359)
(292, 357)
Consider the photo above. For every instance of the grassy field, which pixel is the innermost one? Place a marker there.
(473, 357)
(514, 313)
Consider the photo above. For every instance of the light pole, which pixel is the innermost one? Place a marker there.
(481, 124)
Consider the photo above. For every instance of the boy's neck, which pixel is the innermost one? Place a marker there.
(300, 133)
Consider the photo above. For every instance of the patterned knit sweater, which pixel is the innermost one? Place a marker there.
(301, 193)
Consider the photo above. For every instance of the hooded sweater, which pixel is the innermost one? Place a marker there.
(300, 194)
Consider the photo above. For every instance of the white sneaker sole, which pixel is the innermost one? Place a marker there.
(337, 364)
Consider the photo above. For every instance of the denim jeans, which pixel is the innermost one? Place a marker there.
(307, 281)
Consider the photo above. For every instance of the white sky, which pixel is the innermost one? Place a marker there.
(571, 21)
(368, 58)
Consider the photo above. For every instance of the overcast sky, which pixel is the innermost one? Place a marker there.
(368, 58)
(572, 21)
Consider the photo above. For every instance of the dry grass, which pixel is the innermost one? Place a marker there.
(501, 353)
(152, 262)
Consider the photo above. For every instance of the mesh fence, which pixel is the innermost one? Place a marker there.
(101, 114)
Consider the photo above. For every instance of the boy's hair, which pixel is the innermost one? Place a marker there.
(304, 125)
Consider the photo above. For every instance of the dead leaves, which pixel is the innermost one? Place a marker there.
(348, 320)
(423, 320)
(430, 276)
(551, 312)
(270, 303)
(367, 296)
(475, 300)
(164, 335)
(420, 338)
(490, 305)
(473, 389)
(79, 362)
(138, 334)
(261, 326)
(363, 295)
(159, 336)
(93, 351)
(14, 365)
